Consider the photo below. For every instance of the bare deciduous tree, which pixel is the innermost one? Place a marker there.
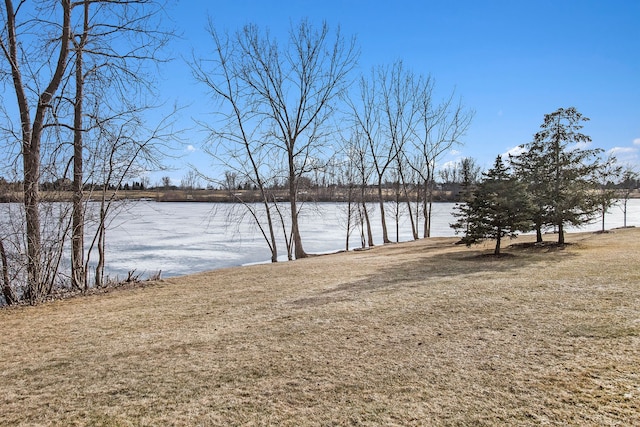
(77, 74)
(607, 173)
(235, 143)
(438, 128)
(398, 102)
(190, 181)
(354, 172)
(406, 130)
(123, 149)
(286, 92)
(367, 117)
(294, 87)
(629, 181)
(43, 81)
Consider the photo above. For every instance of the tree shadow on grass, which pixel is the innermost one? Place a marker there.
(456, 265)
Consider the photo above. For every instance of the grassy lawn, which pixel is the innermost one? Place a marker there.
(421, 333)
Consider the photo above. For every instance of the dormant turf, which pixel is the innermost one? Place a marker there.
(421, 333)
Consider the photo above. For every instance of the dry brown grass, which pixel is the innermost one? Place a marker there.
(423, 333)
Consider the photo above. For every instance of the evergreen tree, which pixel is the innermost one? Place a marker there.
(499, 207)
(534, 172)
(557, 171)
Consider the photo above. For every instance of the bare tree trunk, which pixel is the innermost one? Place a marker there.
(365, 211)
(293, 197)
(78, 275)
(287, 238)
(561, 233)
(363, 242)
(99, 281)
(405, 193)
(272, 235)
(9, 297)
(428, 219)
(428, 197)
(397, 210)
(385, 234)
(426, 210)
(417, 201)
(349, 215)
(31, 135)
(31, 166)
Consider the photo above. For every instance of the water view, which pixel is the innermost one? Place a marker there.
(184, 238)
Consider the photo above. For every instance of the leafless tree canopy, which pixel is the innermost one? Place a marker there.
(277, 100)
(80, 74)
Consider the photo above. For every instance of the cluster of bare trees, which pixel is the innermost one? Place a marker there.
(289, 110)
(400, 131)
(80, 79)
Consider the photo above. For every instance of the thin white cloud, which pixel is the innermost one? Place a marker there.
(584, 145)
(623, 150)
(515, 151)
(636, 141)
(191, 148)
(449, 164)
(625, 155)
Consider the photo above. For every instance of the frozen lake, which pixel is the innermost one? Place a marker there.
(183, 238)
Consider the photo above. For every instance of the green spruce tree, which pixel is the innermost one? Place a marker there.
(557, 169)
(499, 207)
(535, 173)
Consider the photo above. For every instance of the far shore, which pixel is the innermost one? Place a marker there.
(325, 194)
(174, 194)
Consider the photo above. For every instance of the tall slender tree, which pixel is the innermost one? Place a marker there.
(628, 184)
(45, 80)
(605, 195)
(439, 128)
(368, 118)
(110, 45)
(76, 68)
(78, 275)
(236, 142)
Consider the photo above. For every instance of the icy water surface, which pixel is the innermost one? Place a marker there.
(183, 238)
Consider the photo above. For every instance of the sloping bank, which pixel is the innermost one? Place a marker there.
(422, 333)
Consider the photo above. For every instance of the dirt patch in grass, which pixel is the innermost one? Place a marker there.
(422, 333)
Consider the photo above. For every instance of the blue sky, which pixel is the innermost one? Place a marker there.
(510, 61)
